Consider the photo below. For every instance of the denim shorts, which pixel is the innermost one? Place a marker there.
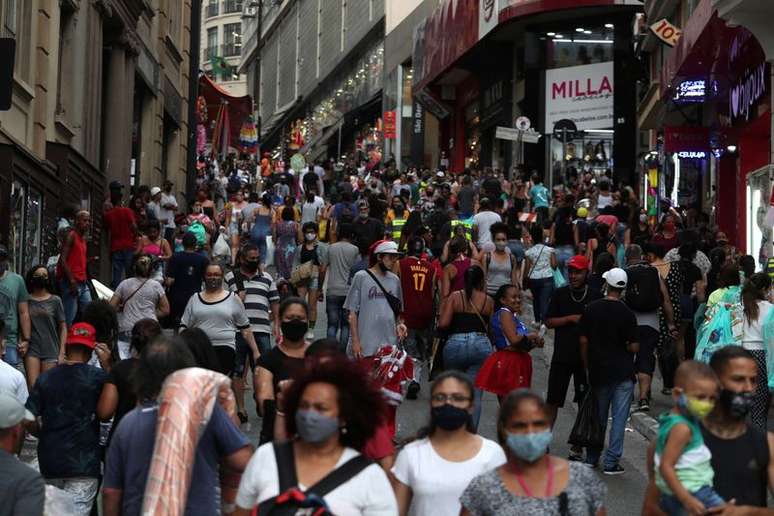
(243, 353)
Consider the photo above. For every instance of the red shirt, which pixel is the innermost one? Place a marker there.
(76, 260)
(416, 277)
(119, 222)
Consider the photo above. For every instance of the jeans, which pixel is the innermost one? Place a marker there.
(563, 255)
(466, 352)
(82, 491)
(11, 355)
(120, 260)
(619, 395)
(72, 302)
(242, 351)
(517, 249)
(416, 346)
(706, 495)
(338, 318)
(541, 295)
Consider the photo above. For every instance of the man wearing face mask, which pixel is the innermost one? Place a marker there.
(742, 455)
(375, 301)
(366, 228)
(22, 490)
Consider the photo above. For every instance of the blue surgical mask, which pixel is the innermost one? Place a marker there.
(529, 447)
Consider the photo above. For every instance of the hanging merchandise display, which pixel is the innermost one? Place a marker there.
(201, 132)
(248, 136)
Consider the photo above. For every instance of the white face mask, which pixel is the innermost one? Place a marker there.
(310, 237)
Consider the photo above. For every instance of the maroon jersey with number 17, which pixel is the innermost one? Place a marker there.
(416, 277)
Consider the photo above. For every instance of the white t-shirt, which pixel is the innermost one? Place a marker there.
(484, 221)
(752, 336)
(12, 382)
(368, 493)
(164, 213)
(310, 211)
(437, 483)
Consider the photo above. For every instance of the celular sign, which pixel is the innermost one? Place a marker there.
(692, 155)
(691, 91)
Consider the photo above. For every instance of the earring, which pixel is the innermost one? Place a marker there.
(343, 430)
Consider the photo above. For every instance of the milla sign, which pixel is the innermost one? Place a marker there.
(583, 94)
(746, 92)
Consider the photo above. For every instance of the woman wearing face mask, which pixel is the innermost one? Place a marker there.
(285, 235)
(220, 313)
(48, 326)
(500, 266)
(311, 255)
(758, 339)
(279, 363)
(639, 232)
(138, 298)
(667, 236)
(329, 410)
(532, 481)
(449, 449)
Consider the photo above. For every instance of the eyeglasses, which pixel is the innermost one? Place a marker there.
(455, 399)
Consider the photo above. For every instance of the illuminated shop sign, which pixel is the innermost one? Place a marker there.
(747, 91)
(692, 155)
(691, 91)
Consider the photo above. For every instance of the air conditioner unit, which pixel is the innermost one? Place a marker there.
(249, 11)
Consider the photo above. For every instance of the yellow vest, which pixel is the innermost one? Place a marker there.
(397, 227)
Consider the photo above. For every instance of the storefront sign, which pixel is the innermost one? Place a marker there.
(686, 139)
(431, 103)
(487, 16)
(583, 94)
(666, 32)
(691, 91)
(389, 125)
(417, 133)
(692, 155)
(507, 133)
(746, 92)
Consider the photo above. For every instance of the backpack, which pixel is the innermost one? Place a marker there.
(643, 288)
(197, 228)
(291, 501)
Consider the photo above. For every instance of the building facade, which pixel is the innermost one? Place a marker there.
(706, 111)
(221, 43)
(316, 70)
(99, 94)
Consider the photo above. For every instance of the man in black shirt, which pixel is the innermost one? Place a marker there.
(367, 229)
(564, 313)
(608, 344)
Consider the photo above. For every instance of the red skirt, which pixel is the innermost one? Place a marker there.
(504, 371)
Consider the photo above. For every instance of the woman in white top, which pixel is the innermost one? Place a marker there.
(330, 410)
(540, 265)
(432, 472)
(757, 339)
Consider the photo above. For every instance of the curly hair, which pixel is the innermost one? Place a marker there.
(361, 404)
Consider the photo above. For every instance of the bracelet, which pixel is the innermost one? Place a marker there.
(279, 413)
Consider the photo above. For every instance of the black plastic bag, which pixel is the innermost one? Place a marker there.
(587, 430)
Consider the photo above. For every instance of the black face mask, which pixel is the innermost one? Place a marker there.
(736, 404)
(38, 282)
(448, 417)
(251, 265)
(294, 330)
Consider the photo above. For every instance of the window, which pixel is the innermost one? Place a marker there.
(232, 39)
(232, 6)
(212, 8)
(174, 14)
(212, 44)
(17, 20)
(24, 231)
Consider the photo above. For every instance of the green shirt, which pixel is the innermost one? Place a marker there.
(693, 468)
(12, 292)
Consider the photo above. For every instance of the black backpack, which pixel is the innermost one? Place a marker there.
(643, 288)
(291, 500)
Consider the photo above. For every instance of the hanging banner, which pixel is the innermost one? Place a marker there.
(666, 32)
(389, 125)
(583, 94)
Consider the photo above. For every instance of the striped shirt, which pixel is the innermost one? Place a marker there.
(261, 291)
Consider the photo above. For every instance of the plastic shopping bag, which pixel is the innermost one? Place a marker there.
(587, 430)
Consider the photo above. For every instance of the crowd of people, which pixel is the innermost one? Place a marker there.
(141, 395)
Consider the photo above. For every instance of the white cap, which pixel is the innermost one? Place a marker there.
(616, 277)
(387, 247)
(12, 412)
(155, 191)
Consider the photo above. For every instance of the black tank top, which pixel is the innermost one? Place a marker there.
(741, 466)
(466, 322)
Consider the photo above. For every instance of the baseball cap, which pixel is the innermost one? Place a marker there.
(583, 212)
(83, 334)
(116, 185)
(12, 412)
(155, 190)
(578, 262)
(616, 277)
(386, 247)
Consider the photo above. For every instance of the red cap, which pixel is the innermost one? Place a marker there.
(578, 262)
(83, 334)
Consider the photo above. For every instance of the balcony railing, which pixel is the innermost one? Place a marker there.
(232, 6)
(231, 49)
(212, 10)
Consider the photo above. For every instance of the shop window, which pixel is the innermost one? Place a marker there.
(232, 39)
(24, 232)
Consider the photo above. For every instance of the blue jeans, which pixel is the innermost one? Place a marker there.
(242, 351)
(338, 319)
(120, 262)
(11, 355)
(466, 352)
(72, 302)
(619, 395)
(541, 295)
(563, 255)
(706, 495)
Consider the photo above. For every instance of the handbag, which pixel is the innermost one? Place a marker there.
(302, 273)
(393, 301)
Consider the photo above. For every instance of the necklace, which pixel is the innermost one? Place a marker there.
(549, 480)
(585, 291)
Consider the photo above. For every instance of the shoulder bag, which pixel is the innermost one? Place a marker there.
(393, 301)
(121, 305)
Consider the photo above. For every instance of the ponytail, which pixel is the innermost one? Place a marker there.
(474, 279)
(752, 293)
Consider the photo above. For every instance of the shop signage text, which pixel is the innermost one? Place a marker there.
(583, 94)
(692, 155)
(691, 91)
(666, 32)
(746, 92)
(487, 16)
(389, 125)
